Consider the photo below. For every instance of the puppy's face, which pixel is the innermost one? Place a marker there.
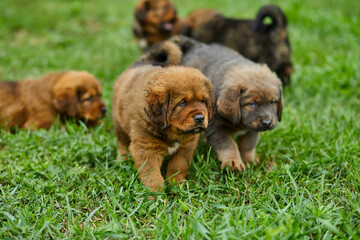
(260, 110)
(256, 107)
(78, 94)
(181, 102)
(156, 15)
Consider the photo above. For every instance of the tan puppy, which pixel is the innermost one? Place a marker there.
(35, 104)
(155, 21)
(159, 112)
(259, 40)
(248, 99)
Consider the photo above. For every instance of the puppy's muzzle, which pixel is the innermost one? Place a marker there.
(103, 111)
(199, 118)
(167, 27)
(265, 123)
(284, 72)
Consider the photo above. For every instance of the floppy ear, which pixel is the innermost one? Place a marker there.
(66, 102)
(141, 10)
(158, 109)
(228, 105)
(280, 106)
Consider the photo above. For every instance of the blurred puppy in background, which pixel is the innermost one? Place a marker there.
(159, 111)
(35, 104)
(248, 99)
(263, 40)
(155, 21)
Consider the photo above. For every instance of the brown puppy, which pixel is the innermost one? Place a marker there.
(248, 99)
(155, 21)
(256, 39)
(159, 112)
(35, 104)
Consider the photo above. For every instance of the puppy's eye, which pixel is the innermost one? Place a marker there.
(182, 103)
(273, 103)
(203, 101)
(89, 99)
(252, 104)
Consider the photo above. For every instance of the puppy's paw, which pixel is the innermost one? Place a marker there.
(250, 157)
(235, 165)
(255, 161)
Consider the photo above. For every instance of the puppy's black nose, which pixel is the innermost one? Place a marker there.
(199, 118)
(266, 123)
(103, 110)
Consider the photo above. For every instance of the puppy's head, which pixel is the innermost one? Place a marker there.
(180, 100)
(161, 54)
(271, 27)
(256, 102)
(78, 94)
(156, 15)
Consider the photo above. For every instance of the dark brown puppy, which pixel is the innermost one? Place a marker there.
(159, 112)
(155, 21)
(248, 99)
(255, 39)
(35, 104)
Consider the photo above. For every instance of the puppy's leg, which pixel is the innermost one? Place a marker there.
(123, 142)
(226, 149)
(181, 160)
(39, 120)
(148, 155)
(247, 146)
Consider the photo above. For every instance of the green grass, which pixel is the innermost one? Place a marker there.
(67, 183)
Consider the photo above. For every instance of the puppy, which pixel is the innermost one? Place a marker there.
(155, 21)
(35, 104)
(255, 39)
(158, 112)
(248, 99)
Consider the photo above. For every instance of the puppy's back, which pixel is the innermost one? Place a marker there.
(162, 54)
(128, 90)
(12, 110)
(8, 90)
(219, 62)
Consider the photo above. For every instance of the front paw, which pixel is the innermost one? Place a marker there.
(235, 165)
(251, 160)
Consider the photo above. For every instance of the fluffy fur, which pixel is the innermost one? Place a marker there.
(158, 112)
(35, 104)
(256, 39)
(248, 99)
(155, 21)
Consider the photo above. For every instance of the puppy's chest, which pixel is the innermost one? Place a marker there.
(172, 149)
(143, 43)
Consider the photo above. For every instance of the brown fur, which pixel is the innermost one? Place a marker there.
(248, 99)
(161, 54)
(155, 21)
(154, 110)
(35, 104)
(254, 39)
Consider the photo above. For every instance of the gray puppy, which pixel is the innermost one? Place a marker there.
(248, 99)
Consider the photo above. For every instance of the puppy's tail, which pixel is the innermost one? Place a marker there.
(162, 54)
(277, 16)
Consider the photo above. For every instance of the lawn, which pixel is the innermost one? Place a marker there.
(66, 183)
